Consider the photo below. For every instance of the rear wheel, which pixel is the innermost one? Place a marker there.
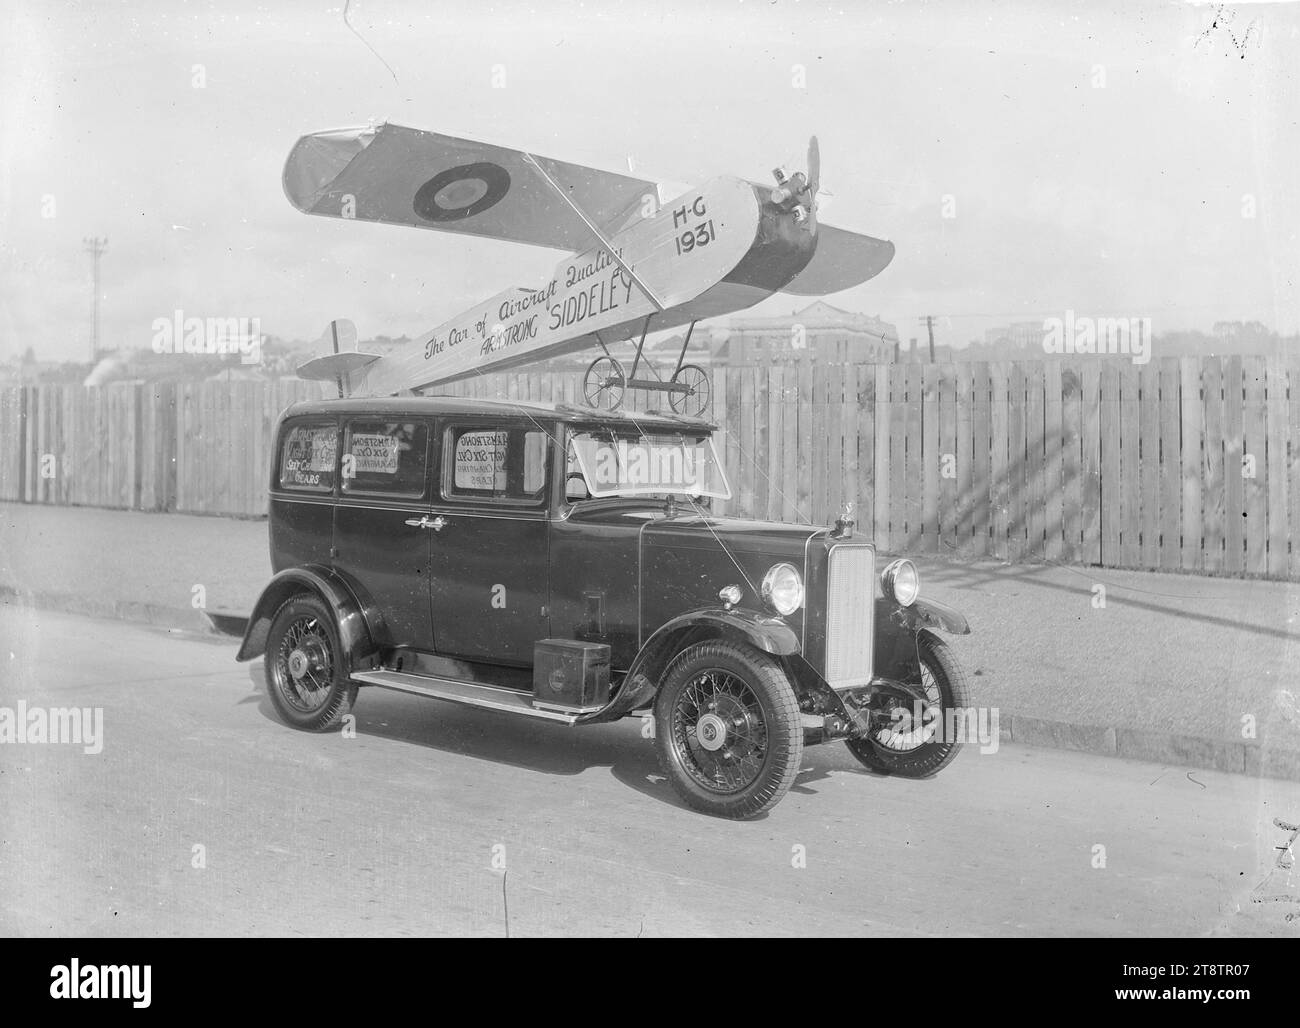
(306, 673)
(910, 749)
(727, 729)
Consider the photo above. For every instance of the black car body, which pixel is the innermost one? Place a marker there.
(454, 548)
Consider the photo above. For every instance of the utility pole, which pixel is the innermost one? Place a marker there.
(95, 247)
(929, 324)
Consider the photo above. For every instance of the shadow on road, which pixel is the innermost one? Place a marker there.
(501, 739)
(545, 748)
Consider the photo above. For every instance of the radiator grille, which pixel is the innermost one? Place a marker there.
(850, 599)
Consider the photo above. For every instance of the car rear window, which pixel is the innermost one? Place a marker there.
(385, 458)
(308, 457)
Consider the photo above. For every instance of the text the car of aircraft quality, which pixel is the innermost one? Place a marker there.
(587, 287)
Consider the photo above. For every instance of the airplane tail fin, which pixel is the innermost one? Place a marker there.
(344, 364)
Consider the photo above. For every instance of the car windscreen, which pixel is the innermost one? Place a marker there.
(620, 464)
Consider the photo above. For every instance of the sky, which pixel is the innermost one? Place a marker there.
(1119, 160)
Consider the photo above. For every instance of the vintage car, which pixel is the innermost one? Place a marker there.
(562, 563)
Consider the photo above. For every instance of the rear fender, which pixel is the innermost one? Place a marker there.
(360, 624)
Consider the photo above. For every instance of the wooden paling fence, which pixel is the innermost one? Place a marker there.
(1180, 464)
(199, 448)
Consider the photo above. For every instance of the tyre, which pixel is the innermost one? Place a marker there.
(695, 402)
(604, 383)
(727, 729)
(919, 751)
(306, 669)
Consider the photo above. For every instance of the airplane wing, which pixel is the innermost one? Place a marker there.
(404, 176)
(843, 259)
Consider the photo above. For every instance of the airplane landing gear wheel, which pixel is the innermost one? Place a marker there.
(604, 384)
(695, 402)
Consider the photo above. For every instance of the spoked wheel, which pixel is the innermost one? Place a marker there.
(910, 749)
(695, 401)
(728, 731)
(305, 673)
(604, 384)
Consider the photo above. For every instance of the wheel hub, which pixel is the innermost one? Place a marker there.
(711, 732)
(305, 658)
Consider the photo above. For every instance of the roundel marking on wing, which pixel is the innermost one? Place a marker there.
(459, 193)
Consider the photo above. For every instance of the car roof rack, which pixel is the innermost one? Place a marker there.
(630, 416)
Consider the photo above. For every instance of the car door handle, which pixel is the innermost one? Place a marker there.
(437, 524)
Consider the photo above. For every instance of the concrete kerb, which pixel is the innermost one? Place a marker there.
(157, 615)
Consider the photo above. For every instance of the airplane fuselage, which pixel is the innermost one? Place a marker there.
(716, 249)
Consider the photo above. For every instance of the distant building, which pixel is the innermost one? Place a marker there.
(1018, 336)
(819, 333)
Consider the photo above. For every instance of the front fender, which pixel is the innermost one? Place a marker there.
(762, 631)
(767, 633)
(934, 615)
(350, 611)
(896, 631)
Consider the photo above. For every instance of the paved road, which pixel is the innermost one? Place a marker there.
(393, 831)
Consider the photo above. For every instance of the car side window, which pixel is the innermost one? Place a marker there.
(308, 457)
(496, 463)
(385, 458)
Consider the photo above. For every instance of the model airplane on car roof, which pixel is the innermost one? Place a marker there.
(640, 260)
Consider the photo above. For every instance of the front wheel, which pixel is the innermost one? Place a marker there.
(728, 732)
(694, 402)
(912, 748)
(306, 673)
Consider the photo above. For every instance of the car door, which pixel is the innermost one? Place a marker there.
(488, 548)
(384, 499)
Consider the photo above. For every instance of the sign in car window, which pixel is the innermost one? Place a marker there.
(374, 454)
(385, 458)
(481, 461)
(308, 458)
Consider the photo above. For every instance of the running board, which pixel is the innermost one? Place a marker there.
(491, 697)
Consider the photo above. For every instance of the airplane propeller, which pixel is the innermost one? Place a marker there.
(798, 192)
(814, 167)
